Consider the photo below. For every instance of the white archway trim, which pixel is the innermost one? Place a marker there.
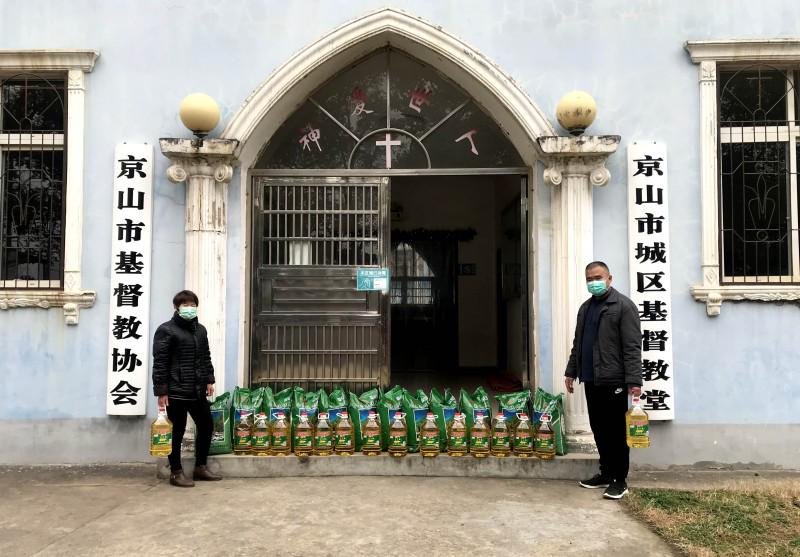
(288, 86)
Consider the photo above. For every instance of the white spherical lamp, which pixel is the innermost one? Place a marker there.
(200, 113)
(576, 111)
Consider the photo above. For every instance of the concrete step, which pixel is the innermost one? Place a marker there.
(570, 467)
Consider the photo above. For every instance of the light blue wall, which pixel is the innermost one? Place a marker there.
(629, 55)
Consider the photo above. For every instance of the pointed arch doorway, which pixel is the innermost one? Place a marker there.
(370, 140)
(491, 93)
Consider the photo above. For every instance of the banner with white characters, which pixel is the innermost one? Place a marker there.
(129, 316)
(649, 257)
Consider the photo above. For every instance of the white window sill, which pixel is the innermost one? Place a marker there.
(714, 295)
(70, 301)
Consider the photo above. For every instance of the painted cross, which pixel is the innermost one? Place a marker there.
(388, 143)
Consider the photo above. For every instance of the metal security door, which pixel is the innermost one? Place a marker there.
(310, 326)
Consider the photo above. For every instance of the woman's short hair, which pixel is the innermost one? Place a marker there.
(185, 297)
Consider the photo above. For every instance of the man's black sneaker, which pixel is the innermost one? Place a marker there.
(616, 490)
(597, 481)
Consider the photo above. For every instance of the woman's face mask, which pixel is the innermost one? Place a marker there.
(188, 312)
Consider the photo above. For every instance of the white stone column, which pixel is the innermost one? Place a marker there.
(575, 165)
(206, 169)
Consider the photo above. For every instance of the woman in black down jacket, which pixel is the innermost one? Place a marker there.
(182, 378)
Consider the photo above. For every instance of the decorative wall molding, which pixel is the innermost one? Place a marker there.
(48, 60)
(266, 108)
(707, 54)
(71, 302)
(579, 156)
(76, 63)
(752, 50)
(713, 296)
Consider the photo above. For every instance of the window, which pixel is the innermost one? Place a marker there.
(749, 166)
(389, 111)
(41, 179)
(758, 175)
(32, 164)
(412, 277)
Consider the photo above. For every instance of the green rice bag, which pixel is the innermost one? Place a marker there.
(444, 408)
(267, 401)
(335, 403)
(512, 404)
(472, 404)
(389, 402)
(302, 400)
(359, 408)
(282, 402)
(221, 440)
(415, 411)
(546, 403)
(242, 406)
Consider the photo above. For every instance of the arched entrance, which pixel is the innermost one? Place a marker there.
(363, 161)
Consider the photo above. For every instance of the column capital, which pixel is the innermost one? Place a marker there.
(213, 158)
(584, 156)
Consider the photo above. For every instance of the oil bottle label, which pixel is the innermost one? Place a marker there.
(397, 440)
(324, 440)
(429, 439)
(522, 440)
(302, 440)
(344, 440)
(280, 441)
(372, 440)
(162, 439)
(480, 440)
(242, 438)
(458, 439)
(544, 442)
(639, 429)
(260, 439)
(500, 439)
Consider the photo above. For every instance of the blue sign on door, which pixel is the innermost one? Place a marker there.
(372, 279)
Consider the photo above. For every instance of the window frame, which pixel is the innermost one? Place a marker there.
(73, 65)
(711, 56)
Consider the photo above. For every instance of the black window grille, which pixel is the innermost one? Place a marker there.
(412, 277)
(758, 157)
(32, 180)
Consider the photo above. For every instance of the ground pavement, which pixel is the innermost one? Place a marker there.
(118, 511)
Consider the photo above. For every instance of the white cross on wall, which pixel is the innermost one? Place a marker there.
(388, 143)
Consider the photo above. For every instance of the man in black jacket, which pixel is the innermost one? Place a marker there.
(607, 358)
(182, 378)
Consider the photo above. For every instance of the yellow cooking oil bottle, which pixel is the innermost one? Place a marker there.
(323, 436)
(343, 436)
(398, 436)
(457, 436)
(260, 440)
(523, 438)
(303, 436)
(501, 440)
(371, 435)
(638, 426)
(545, 443)
(429, 436)
(479, 437)
(243, 433)
(281, 435)
(161, 434)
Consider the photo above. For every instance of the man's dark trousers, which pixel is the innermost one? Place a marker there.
(607, 407)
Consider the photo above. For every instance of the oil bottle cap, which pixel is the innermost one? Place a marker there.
(522, 416)
(280, 415)
(372, 414)
(304, 413)
(323, 415)
(343, 414)
(430, 415)
(398, 415)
